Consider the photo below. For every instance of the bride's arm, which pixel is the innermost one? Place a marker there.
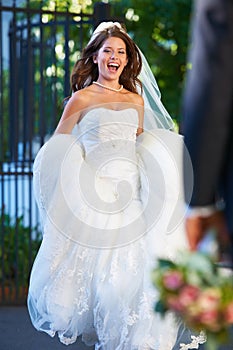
(71, 114)
(140, 108)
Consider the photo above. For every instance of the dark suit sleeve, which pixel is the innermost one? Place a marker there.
(207, 103)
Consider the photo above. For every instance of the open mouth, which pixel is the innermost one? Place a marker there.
(113, 67)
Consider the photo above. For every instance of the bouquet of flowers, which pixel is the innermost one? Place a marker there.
(198, 292)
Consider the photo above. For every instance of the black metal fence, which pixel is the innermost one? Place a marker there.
(38, 47)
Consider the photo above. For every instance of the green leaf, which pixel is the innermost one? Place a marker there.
(164, 263)
(160, 307)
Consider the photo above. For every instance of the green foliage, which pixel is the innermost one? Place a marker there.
(161, 30)
(18, 247)
(160, 308)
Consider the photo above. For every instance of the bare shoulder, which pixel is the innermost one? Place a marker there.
(135, 98)
(73, 110)
(139, 99)
(80, 99)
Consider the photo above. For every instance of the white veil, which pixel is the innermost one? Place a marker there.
(156, 116)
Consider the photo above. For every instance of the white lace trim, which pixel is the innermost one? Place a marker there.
(196, 341)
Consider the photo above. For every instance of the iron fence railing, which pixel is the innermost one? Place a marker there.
(38, 47)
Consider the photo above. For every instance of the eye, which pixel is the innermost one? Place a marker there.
(122, 52)
(107, 50)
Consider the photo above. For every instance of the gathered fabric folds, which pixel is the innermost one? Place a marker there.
(110, 205)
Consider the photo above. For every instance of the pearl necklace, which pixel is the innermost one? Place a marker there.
(108, 87)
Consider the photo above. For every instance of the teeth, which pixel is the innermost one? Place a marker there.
(113, 65)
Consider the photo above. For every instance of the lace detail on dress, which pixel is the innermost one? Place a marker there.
(104, 295)
(196, 341)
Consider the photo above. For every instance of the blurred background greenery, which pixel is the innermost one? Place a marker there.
(159, 27)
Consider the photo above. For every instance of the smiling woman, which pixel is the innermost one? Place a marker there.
(120, 54)
(100, 184)
(111, 60)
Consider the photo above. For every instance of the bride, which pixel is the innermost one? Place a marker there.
(110, 202)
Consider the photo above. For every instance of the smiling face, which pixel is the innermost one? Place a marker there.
(111, 59)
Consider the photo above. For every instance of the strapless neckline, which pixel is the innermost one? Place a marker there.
(109, 110)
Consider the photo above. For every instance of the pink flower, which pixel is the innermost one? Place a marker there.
(173, 280)
(210, 319)
(209, 299)
(229, 313)
(174, 304)
(188, 295)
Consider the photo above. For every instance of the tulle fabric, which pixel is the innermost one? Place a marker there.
(109, 205)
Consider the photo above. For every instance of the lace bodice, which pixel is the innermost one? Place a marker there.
(108, 140)
(114, 130)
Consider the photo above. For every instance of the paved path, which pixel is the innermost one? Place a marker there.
(17, 333)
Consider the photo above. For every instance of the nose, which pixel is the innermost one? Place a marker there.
(114, 55)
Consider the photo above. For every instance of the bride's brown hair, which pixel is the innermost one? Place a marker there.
(85, 71)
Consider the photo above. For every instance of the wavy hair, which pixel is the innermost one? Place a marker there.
(85, 71)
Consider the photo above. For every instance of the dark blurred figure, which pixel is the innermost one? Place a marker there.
(207, 124)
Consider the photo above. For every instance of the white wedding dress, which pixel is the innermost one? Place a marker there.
(109, 205)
